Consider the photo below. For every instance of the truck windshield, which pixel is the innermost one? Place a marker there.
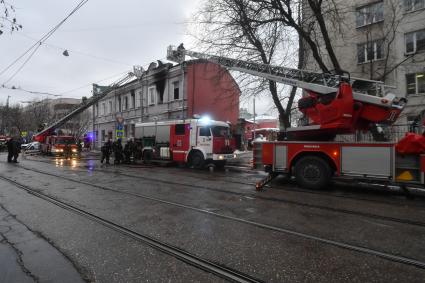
(220, 131)
(64, 141)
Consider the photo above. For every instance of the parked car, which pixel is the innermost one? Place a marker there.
(33, 147)
(3, 140)
(24, 145)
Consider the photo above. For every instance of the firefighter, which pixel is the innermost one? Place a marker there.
(9, 144)
(128, 151)
(16, 151)
(106, 151)
(117, 147)
(79, 148)
(13, 150)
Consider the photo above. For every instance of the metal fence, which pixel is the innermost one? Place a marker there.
(382, 133)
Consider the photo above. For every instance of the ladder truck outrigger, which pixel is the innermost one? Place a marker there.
(332, 104)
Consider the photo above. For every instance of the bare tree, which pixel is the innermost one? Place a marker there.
(309, 22)
(226, 27)
(78, 125)
(7, 19)
(13, 119)
(37, 115)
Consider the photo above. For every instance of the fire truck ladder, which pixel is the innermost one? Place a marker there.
(85, 105)
(367, 91)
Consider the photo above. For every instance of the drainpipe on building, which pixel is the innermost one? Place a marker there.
(255, 125)
(139, 72)
(183, 90)
(93, 134)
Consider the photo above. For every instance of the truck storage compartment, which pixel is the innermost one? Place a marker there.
(408, 168)
(367, 161)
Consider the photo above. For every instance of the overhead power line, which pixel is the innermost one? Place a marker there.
(36, 45)
(76, 51)
(30, 91)
(74, 89)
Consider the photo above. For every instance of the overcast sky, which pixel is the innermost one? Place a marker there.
(104, 39)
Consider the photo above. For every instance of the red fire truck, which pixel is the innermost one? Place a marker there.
(332, 105)
(195, 142)
(57, 145)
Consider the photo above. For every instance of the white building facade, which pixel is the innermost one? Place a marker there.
(158, 96)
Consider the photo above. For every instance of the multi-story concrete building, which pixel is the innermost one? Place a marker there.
(380, 40)
(167, 92)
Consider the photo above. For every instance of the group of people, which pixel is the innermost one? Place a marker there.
(13, 150)
(121, 154)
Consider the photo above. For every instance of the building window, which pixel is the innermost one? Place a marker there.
(415, 41)
(176, 90)
(370, 14)
(119, 103)
(110, 107)
(125, 105)
(104, 108)
(103, 135)
(97, 110)
(413, 5)
(139, 99)
(415, 83)
(370, 51)
(151, 95)
(133, 99)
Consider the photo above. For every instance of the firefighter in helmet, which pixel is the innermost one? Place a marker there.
(117, 148)
(106, 150)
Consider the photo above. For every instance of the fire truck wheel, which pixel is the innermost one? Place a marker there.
(312, 172)
(196, 160)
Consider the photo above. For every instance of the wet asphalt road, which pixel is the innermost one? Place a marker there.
(215, 215)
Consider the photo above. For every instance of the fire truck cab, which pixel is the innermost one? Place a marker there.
(195, 142)
(56, 145)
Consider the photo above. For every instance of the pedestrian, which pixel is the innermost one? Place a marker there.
(128, 151)
(117, 148)
(13, 150)
(16, 150)
(9, 144)
(106, 151)
(79, 148)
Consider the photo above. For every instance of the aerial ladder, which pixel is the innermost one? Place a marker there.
(98, 94)
(333, 104)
